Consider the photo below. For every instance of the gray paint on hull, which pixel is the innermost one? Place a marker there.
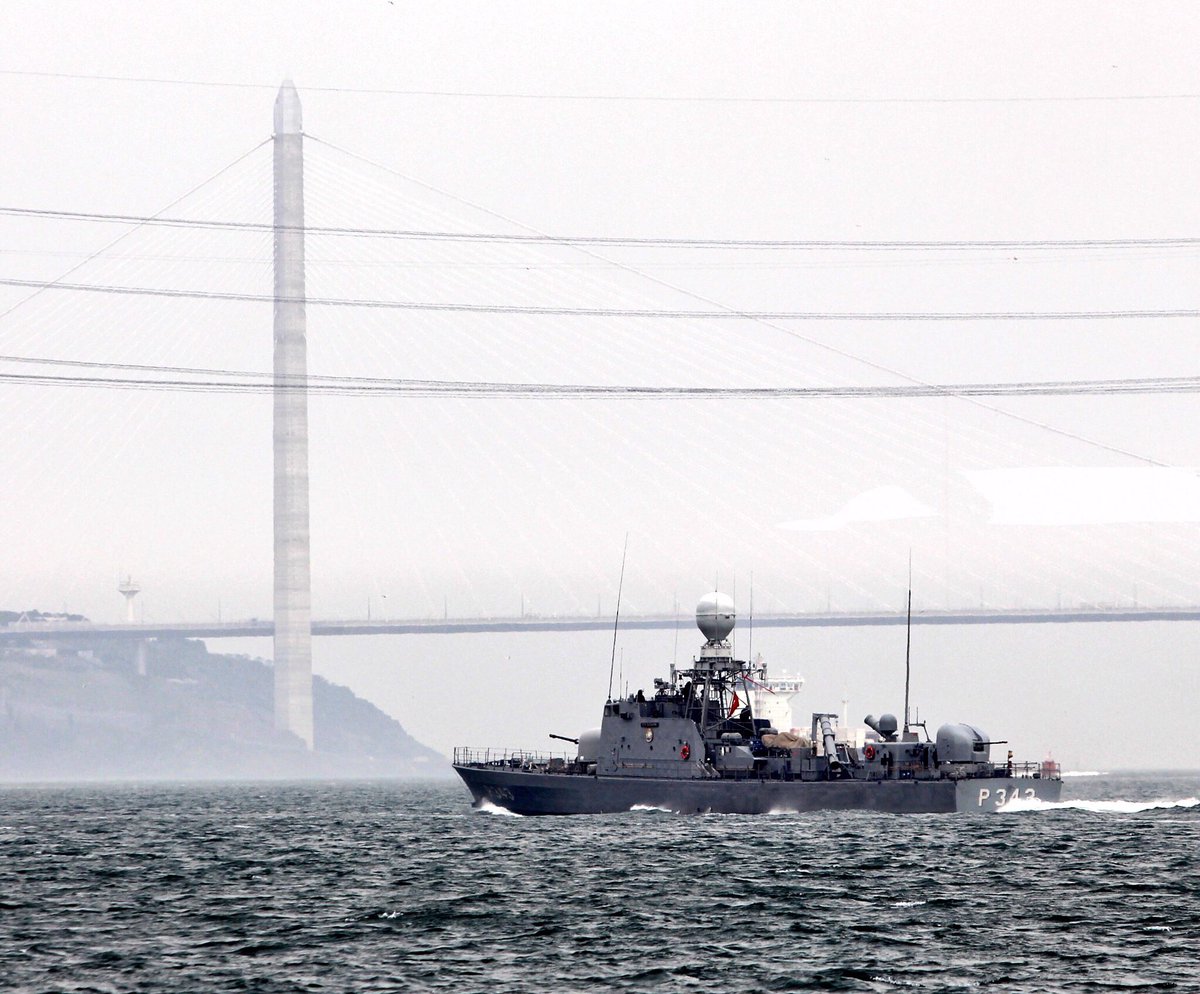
(552, 793)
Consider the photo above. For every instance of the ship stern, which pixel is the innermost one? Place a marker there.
(986, 796)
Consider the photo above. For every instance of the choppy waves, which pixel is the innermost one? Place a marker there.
(390, 887)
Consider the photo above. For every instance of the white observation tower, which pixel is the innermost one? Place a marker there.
(129, 589)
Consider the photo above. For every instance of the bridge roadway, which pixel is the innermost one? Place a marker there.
(253, 627)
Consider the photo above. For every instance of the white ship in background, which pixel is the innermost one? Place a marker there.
(771, 696)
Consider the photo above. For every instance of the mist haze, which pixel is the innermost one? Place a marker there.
(721, 122)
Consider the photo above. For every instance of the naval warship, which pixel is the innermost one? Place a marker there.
(692, 747)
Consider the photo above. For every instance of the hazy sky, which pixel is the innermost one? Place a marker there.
(763, 121)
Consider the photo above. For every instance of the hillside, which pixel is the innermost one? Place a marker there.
(83, 712)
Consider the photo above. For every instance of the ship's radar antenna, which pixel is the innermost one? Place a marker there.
(716, 616)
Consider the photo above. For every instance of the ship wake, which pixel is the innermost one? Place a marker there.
(488, 808)
(1119, 807)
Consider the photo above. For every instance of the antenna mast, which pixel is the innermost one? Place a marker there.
(617, 616)
(750, 648)
(908, 643)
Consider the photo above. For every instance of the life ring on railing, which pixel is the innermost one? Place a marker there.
(685, 750)
(869, 753)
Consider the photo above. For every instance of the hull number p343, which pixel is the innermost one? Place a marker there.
(1002, 794)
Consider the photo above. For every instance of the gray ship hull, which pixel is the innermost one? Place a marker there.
(538, 793)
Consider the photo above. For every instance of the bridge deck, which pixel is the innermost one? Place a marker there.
(50, 631)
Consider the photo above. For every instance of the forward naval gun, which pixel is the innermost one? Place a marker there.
(691, 747)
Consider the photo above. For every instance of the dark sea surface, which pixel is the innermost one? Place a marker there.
(392, 886)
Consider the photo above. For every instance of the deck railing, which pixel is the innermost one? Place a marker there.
(565, 763)
(1036, 770)
(516, 759)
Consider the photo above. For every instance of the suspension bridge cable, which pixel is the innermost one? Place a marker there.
(725, 314)
(147, 220)
(343, 196)
(381, 321)
(499, 346)
(599, 97)
(369, 203)
(720, 356)
(417, 234)
(245, 381)
(658, 281)
(106, 438)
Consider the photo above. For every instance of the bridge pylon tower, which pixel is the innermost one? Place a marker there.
(293, 588)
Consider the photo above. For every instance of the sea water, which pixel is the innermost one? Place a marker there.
(392, 886)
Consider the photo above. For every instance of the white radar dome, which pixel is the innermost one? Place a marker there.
(716, 616)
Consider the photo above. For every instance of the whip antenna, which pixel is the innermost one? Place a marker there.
(675, 651)
(750, 647)
(908, 643)
(617, 617)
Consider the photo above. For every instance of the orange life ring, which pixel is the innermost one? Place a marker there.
(869, 752)
(685, 750)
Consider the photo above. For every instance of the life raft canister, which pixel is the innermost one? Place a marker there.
(869, 752)
(685, 750)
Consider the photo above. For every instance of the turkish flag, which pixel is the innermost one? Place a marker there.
(734, 706)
